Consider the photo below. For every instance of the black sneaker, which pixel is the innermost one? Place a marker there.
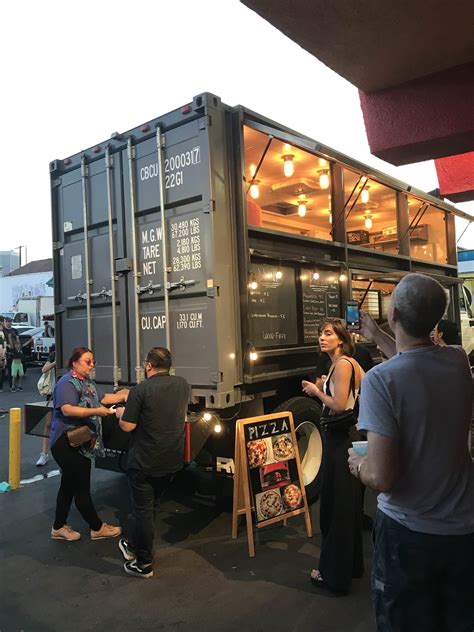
(132, 568)
(126, 551)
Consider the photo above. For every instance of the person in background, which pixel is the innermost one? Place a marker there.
(155, 416)
(16, 367)
(48, 330)
(49, 365)
(341, 556)
(446, 332)
(3, 355)
(77, 401)
(416, 408)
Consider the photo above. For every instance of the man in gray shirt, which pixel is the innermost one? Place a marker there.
(417, 409)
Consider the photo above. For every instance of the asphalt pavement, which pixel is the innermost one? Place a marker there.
(203, 579)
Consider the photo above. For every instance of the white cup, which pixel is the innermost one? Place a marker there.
(360, 447)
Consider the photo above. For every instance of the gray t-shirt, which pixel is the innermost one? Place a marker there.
(423, 398)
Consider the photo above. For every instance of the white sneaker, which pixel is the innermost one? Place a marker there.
(43, 459)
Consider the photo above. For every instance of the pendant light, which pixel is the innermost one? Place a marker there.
(368, 223)
(364, 196)
(255, 190)
(324, 179)
(288, 165)
(302, 202)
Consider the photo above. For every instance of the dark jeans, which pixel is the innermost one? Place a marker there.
(146, 492)
(422, 582)
(75, 483)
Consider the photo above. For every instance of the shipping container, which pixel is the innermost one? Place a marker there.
(227, 237)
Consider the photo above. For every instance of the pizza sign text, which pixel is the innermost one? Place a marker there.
(267, 429)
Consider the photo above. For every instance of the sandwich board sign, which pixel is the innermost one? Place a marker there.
(268, 479)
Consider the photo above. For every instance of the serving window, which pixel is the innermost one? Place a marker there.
(287, 188)
(371, 211)
(427, 231)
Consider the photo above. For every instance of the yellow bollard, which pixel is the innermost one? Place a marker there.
(14, 462)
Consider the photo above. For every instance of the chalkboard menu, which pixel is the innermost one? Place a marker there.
(321, 298)
(272, 306)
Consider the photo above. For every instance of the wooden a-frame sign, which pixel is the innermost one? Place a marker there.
(268, 478)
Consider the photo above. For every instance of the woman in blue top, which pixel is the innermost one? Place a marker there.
(77, 402)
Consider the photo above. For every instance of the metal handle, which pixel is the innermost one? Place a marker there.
(180, 285)
(150, 288)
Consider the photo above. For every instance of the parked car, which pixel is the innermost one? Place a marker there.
(42, 344)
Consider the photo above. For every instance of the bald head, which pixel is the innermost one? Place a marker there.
(420, 302)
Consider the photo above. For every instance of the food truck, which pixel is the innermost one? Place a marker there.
(227, 238)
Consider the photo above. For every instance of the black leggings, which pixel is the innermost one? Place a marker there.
(75, 483)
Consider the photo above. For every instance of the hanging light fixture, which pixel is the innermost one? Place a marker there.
(315, 275)
(368, 223)
(288, 165)
(364, 196)
(322, 162)
(278, 275)
(253, 170)
(255, 189)
(302, 202)
(324, 179)
(342, 277)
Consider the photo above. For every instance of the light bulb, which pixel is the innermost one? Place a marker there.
(368, 222)
(315, 276)
(253, 170)
(302, 208)
(253, 356)
(324, 179)
(253, 285)
(254, 190)
(342, 277)
(288, 166)
(232, 356)
(322, 162)
(278, 275)
(217, 428)
(207, 416)
(364, 196)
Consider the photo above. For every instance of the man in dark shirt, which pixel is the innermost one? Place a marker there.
(155, 415)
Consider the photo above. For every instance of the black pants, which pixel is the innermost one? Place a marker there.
(75, 483)
(422, 582)
(341, 556)
(146, 492)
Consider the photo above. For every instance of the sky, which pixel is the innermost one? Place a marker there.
(74, 72)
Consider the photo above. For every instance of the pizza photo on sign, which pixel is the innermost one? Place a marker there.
(274, 475)
(283, 448)
(269, 504)
(257, 453)
(292, 497)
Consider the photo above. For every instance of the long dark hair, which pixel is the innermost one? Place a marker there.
(76, 355)
(341, 332)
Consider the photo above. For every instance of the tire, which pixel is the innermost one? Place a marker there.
(306, 414)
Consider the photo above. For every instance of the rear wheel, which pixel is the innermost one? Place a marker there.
(306, 414)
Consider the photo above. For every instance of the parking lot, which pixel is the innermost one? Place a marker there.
(203, 579)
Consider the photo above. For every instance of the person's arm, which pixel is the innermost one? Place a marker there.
(47, 366)
(115, 398)
(342, 382)
(68, 410)
(378, 470)
(128, 416)
(370, 330)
